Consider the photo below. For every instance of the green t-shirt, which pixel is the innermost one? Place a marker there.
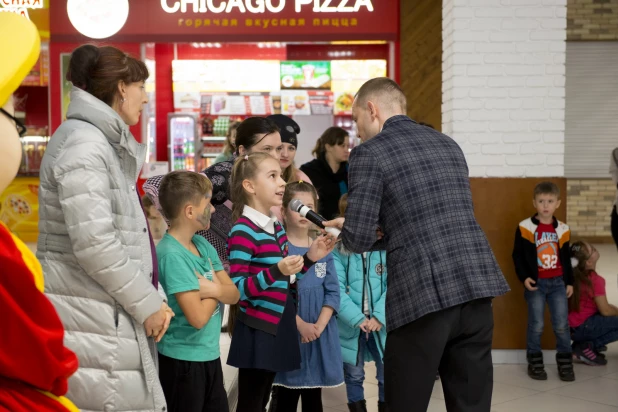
(177, 267)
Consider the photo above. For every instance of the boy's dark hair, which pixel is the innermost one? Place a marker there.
(547, 188)
(179, 188)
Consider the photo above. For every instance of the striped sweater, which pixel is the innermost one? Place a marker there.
(254, 254)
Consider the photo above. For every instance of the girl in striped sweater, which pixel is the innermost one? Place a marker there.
(263, 324)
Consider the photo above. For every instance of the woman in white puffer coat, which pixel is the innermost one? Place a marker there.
(94, 242)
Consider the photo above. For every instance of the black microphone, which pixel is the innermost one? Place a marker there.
(297, 206)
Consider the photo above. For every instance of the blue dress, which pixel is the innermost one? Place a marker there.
(321, 361)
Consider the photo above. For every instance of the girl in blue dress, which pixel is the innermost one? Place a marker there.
(317, 301)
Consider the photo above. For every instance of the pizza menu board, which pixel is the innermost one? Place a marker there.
(299, 102)
(305, 75)
(227, 87)
(253, 104)
(192, 76)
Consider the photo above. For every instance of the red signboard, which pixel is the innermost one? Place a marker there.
(246, 20)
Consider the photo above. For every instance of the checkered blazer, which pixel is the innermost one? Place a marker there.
(412, 182)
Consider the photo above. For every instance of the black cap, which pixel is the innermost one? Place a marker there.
(288, 128)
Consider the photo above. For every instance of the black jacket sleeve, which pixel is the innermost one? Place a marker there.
(565, 260)
(519, 256)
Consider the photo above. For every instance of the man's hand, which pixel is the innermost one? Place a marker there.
(529, 284)
(336, 223)
(569, 291)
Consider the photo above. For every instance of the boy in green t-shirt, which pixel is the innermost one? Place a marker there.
(194, 280)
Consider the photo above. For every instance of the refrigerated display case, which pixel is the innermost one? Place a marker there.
(212, 140)
(183, 133)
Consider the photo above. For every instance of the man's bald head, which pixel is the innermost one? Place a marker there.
(384, 93)
(377, 101)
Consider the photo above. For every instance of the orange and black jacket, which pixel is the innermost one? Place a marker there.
(34, 363)
(525, 252)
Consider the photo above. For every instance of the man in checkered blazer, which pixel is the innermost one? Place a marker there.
(410, 183)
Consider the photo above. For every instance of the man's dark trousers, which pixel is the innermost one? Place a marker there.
(456, 342)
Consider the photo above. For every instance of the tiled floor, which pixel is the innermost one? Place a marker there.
(595, 388)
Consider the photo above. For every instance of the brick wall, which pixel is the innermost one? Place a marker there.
(503, 96)
(589, 206)
(592, 20)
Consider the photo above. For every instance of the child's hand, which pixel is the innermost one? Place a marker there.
(363, 326)
(529, 284)
(290, 265)
(374, 325)
(321, 247)
(569, 291)
(208, 289)
(308, 331)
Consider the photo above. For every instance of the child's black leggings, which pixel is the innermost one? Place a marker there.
(286, 400)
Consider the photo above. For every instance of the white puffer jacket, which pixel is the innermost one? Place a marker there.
(96, 257)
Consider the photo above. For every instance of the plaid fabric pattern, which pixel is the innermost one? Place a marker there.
(412, 182)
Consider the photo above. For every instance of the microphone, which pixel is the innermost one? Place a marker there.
(297, 206)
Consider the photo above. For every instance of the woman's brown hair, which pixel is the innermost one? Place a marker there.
(343, 205)
(229, 146)
(98, 70)
(580, 251)
(331, 136)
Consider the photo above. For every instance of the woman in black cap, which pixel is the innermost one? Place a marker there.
(289, 131)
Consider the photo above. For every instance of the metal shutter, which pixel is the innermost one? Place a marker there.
(591, 113)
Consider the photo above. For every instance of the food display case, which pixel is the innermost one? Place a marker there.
(219, 92)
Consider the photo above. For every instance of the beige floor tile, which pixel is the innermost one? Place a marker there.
(547, 402)
(611, 367)
(504, 393)
(599, 390)
(337, 398)
(370, 373)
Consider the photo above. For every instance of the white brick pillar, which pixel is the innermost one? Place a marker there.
(503, 85)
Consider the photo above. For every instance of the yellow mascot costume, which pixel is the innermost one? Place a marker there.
(34, 363)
